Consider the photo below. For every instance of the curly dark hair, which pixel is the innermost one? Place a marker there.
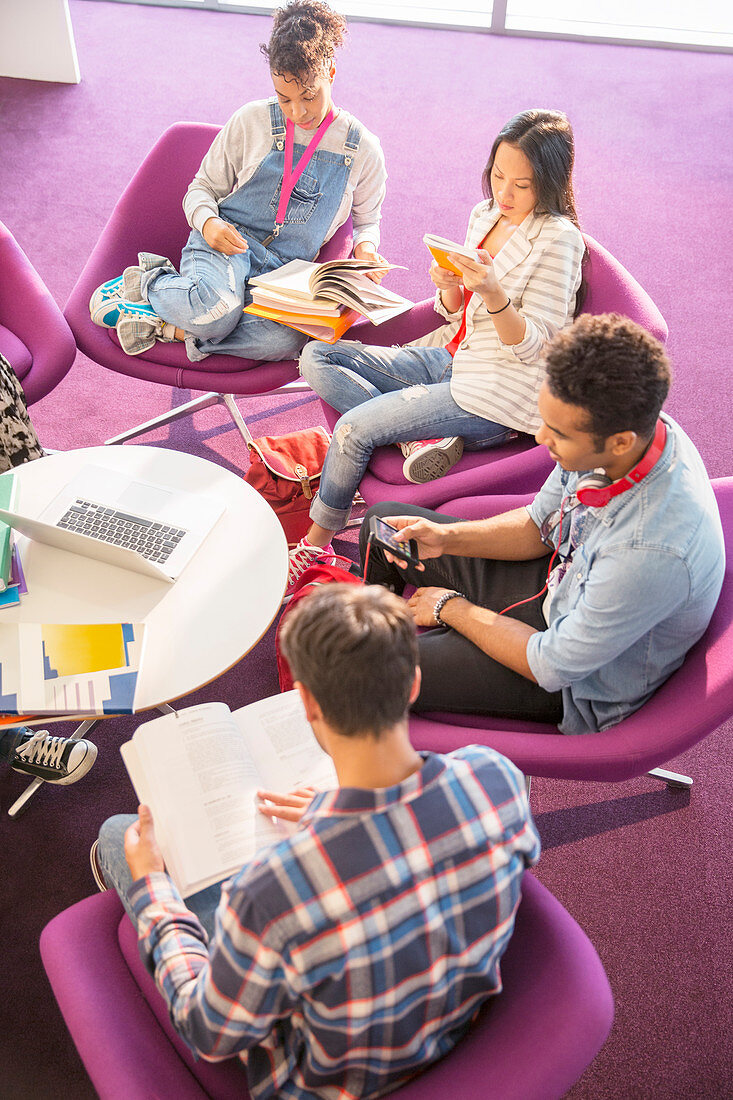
(613, 369)
(355, 648)
(546, 139)
(305, 36)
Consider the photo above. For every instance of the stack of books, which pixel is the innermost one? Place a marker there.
(12, 583)
(323, 300)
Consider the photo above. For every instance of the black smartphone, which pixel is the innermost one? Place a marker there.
(383, 534)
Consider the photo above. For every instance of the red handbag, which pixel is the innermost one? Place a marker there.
(310, 578)
(286, 470)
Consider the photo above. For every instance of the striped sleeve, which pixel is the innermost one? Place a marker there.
(548, 300)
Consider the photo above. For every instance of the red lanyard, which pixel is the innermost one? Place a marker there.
(292, 175)
(452, 346)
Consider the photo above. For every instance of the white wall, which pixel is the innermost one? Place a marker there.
(37, 41)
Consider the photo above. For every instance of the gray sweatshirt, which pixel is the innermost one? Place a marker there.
(246, 140)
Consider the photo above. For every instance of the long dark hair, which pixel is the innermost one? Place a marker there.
(546, 139)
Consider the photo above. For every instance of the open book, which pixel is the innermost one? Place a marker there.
(323, 300)
(439, 247)
(199, 771)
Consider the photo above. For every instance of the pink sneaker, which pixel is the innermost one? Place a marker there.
(303, 555)
(427, 459)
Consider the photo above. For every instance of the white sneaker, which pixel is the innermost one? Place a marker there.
(428, 459)
(303, 555)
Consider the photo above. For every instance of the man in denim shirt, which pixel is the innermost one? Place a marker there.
(631, 584)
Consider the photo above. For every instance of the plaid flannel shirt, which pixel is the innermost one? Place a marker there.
(359, 949)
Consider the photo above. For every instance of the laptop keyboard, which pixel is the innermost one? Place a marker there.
(153, 541)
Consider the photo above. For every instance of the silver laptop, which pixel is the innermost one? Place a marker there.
(103, 514)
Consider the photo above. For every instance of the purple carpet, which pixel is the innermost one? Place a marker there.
(642, 868)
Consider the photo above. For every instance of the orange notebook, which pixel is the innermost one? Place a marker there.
(328, 329)
(439, 247)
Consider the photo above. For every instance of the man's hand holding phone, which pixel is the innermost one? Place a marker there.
(429, 539)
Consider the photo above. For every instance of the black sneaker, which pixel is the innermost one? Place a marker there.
(54, 759)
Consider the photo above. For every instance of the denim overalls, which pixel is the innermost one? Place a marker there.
(207, 298)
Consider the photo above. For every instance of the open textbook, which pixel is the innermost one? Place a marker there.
(199, 771)
(439, 247)
(323, 300)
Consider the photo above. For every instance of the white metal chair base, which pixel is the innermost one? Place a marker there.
(672, 779)
(204, 402)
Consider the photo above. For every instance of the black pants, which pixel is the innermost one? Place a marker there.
(457, 676)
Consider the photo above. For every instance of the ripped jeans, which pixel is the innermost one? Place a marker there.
(206, 301)
(387, 395)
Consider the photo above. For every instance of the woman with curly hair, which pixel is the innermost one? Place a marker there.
(276, 184)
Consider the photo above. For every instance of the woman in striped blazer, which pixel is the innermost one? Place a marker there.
(475, 379)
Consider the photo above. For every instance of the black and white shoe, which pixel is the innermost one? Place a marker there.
(60, 760)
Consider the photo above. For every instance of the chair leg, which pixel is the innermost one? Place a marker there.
(169, 417)
(86, 727)
(672, 779)
(20, 803)
(298, 385)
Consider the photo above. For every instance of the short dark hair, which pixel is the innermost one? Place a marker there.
(355, 648)
(305, 35)
(612, 369)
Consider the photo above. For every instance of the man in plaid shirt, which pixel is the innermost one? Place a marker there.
(357, 951)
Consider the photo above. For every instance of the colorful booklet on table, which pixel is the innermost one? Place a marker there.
(439, 247)
(8, 487)
(69, 668)
(199, 770)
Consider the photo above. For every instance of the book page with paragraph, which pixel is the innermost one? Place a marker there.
(199, 771)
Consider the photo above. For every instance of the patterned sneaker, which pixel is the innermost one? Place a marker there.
(97, 867)
(55, 759)
(139, 326)
(427, 459)
(303, 555)
(105, 302)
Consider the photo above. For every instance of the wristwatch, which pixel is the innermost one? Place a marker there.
(442, 601)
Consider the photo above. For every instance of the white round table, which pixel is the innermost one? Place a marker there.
(195, 629)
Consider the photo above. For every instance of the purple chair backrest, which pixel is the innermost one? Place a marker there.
(34, 336)
(612, 289)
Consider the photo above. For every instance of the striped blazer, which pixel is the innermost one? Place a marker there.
(539, 268)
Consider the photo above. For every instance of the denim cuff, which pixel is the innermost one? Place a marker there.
(333, 519)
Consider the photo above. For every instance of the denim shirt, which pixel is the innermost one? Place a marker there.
(639, 592)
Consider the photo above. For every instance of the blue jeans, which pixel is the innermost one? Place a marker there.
(111, 853)
(206, 301)
(388, 395)
(207, 298)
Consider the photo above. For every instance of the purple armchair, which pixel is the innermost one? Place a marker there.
(148, 216)
(532, 1042)
(695, 700)
(34, 337)
(517, 466)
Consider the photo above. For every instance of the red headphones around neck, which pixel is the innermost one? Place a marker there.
(595, 489)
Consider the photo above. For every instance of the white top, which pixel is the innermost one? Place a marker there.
(195, 629)
(244, 142)
(539, 267)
